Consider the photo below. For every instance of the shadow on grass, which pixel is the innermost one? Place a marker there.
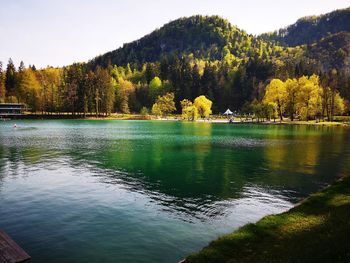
(317, 230)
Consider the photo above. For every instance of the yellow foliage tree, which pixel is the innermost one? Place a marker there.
(276, 93)
(156, 110)
(332, 102)
(31, 90)
(124, 89)
(203, 106)
(189, 111)
(155, 87)
(164, 104)
(292, 89)
(49, 80)
(339, 104)
(309, 98)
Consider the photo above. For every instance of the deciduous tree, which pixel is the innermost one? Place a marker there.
(292, 89)
(164, 104)
(309, 97)
(276, 93)
(189, 111)
(203, 106)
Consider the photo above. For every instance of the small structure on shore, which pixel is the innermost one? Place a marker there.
(10, 252)
(12, 109)
(228, 112)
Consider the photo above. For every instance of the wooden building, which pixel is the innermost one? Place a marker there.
(12, 109)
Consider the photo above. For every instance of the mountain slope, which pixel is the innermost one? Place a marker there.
(332, 51)
(311, 29)
(213, 38)
(206, 37)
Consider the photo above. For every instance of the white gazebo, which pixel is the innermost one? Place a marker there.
(228, 112)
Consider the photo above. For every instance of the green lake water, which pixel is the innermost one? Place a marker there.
(150, 191)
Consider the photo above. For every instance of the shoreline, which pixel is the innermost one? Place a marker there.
(137, 117)
(318, 225)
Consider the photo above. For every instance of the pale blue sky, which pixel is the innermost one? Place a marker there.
(57, 33)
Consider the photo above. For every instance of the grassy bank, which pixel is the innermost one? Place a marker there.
(317, 230)
(339, 121)
(313, 122)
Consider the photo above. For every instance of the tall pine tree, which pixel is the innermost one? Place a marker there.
(10, 79)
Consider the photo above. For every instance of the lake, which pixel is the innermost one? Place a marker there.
(153, 191)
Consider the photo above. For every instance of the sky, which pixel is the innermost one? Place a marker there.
(58, 33)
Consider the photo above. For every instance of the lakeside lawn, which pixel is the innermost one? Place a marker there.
(338, 120)
(317, 230)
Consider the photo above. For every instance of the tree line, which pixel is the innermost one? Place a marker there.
(304, 98)
(82, 89)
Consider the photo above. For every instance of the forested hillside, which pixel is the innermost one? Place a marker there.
(333, 51)
(190, 57)
(311, 29)
(201, 37)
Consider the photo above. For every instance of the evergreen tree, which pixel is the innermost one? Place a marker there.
(10, 79)
(2, 85)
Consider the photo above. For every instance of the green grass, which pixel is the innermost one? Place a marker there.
(121, 116)
(342, 118)
(317, 230)
(313, 122)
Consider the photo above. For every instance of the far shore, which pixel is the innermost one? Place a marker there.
(340, 121)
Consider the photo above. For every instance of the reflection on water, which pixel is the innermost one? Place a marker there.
(124, 191)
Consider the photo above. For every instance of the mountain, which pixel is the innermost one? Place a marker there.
(332, 51)
(309, 30)
(211, 38)
(205, 37)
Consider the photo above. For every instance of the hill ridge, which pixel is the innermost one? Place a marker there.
(204, 37)
(310, 29)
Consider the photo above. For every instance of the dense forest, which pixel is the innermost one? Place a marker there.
(201, 37)
(308, 30)
(188, 57)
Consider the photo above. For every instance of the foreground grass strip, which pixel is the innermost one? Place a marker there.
(317, 230)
